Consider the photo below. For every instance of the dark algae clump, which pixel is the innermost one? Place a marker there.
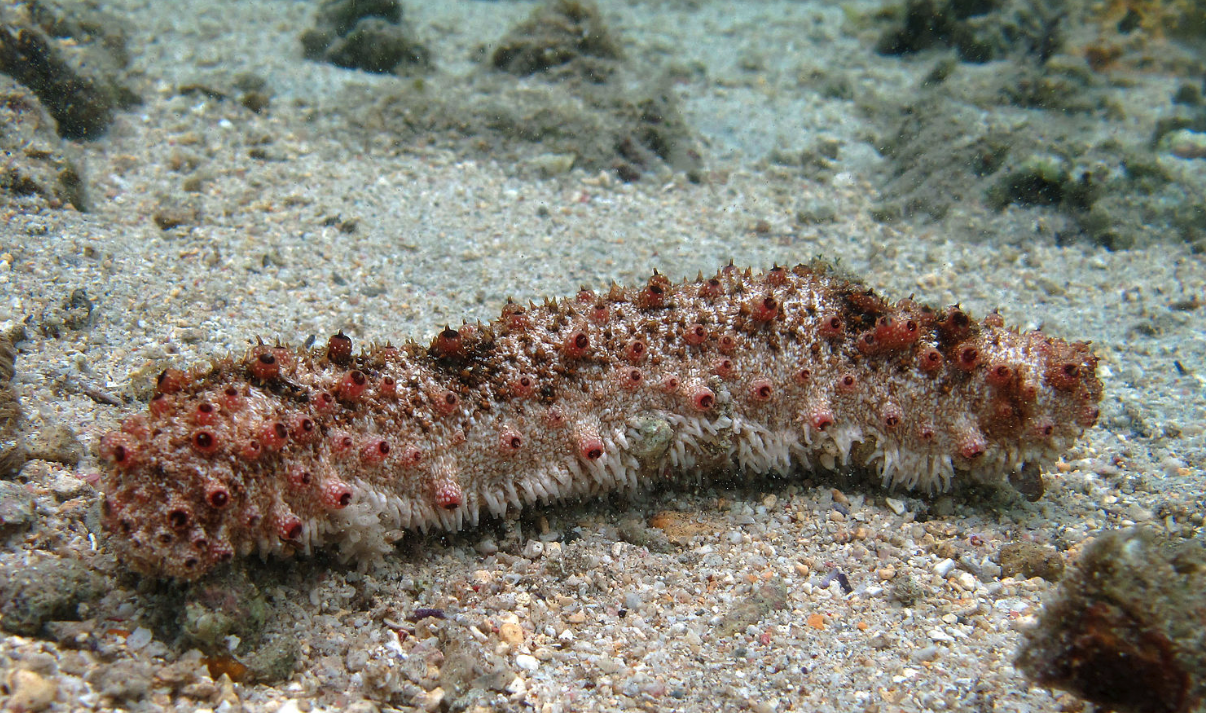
(1125, 629)
(73, 56)
(365, 34)
(562, 35)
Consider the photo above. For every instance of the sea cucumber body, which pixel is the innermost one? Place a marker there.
(284, 450)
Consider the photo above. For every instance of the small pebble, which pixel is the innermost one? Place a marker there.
(966, 581)
(526, 662)
(486, 546)
(139, 639)
(16, 506)
(31, 691)
(66, 486)
(511, 632)
(431, 700)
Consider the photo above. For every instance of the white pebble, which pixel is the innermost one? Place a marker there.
(140, 638)
(67, 486)
(526, 662)
(944, 567)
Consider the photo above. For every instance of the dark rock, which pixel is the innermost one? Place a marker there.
(1030, 559)
(16, 507)
(50, 589)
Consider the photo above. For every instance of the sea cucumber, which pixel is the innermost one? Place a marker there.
(284, 450)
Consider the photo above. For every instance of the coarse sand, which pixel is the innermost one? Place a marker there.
(712, 596)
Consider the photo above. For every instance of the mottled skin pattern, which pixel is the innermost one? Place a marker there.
(284, 450)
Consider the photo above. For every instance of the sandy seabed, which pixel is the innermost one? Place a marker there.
(712, 596)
